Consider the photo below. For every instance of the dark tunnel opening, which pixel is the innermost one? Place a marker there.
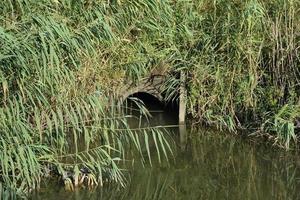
(153, 104)
(161, 113)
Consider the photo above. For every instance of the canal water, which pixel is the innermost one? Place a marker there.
(207, 164)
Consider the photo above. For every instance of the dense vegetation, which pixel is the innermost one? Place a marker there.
(61, 62)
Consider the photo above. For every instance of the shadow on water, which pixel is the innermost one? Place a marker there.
(208, 165)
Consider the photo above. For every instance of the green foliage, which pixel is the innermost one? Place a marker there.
(283, 124)
(84, 133)
(60, 60)
(243, 61)
(57, 62)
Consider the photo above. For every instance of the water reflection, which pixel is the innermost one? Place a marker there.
(208, 165)
(182, 136)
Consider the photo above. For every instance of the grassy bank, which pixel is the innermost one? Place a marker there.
(244, 66)
(60, 60)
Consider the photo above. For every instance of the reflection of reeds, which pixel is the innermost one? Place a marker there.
(214, 166)
(225, 167)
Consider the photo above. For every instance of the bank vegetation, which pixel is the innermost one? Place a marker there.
(62, 61)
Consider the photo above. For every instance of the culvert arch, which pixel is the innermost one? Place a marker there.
(155, 86)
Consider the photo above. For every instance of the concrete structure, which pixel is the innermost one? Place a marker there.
(154, 85)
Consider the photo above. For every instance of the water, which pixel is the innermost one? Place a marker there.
(208, 165)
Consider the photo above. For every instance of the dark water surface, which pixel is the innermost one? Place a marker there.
(208, 165)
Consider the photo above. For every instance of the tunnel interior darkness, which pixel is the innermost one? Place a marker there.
(152, 103)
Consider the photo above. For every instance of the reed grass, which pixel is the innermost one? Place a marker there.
(244, 65)
(57, 63)
(61, 63)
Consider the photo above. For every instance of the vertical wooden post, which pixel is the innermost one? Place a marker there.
(182, 98)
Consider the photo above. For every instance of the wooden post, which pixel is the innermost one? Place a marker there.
(182, 98)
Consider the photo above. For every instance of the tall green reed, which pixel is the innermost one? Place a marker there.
(56, 114)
